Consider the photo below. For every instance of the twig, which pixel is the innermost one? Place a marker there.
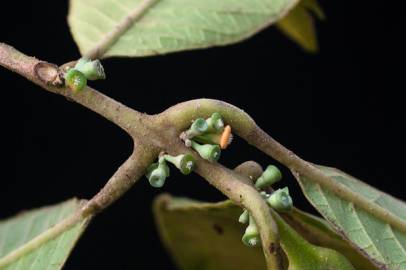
(243, 125)
(123, 179)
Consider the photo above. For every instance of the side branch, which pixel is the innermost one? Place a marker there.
(123, 179)
(47, 76)
(237, 186)
(180, 116)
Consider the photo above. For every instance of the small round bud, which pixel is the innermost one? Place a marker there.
(264, 195)
(251, 236)
(81, 62)
(157, 174)
(93, 70)
(280, 200)
(269, 177)
(75, 80)
(184, 163)
(244, 217)
(208, 138)
(209, 152)
(198, 127)
(222, 139)
(188, 143)
(215, 123)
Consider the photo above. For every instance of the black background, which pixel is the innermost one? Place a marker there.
(342, 107)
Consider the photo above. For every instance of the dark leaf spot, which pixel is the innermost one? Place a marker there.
(218, 229)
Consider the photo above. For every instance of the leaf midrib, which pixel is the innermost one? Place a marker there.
(337, 223)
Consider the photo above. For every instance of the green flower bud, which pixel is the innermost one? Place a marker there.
(188, 143)
(209, 138)
(198, 127)
(264, 195)
(93, 70)
(244, 217)
(251, 236)
(215, 123)
(209, 152)
(75, 80)
(184, 163)
(81, 62)
(221, 139)
(157, 174)
(280, 200)
(269, 177)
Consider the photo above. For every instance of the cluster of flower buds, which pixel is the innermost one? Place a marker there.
(208, 136)
(158, 172)
(85, 69)
(279, 200)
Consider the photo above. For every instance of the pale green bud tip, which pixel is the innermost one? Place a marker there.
(81, 62)
(244, 217)
(215, 122)
(264, 195)
(188, 143)
(199, 125)
(93, 70)
(209, 152)
(280, 200)
(185, 163)
(251, 236)
(269, 177)
(75, 80)
(157, 174)
(251, 240)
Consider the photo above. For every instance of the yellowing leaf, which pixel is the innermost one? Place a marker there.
(299, 24)
(207, 236)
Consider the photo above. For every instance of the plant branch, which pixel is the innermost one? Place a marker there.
(123, 179)
(153, 134)
(237, 186)
(111, 38)
(243, 125)
(154, 139)
(47, 76)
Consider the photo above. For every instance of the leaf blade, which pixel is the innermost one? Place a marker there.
(299, 24)
(207, 236)
(171, 25)
(379, 241)
(172, 226)
(17, 231)
(318, 232)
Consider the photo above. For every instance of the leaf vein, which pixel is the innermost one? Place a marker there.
(382, 258)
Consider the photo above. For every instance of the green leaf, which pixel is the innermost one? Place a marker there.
(51, 255)
(318, 232)
(382, 243)
(299, 24)
(169, 25)
(207, 236)
(204, 236)
(304, 256)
